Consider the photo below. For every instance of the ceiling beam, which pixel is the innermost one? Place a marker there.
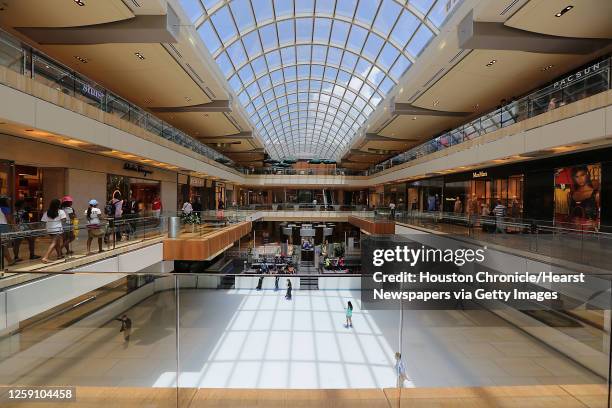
(373, 137)
(141, 29)
(398, 108)
(241, 135)
(214, 106)
(481, 35)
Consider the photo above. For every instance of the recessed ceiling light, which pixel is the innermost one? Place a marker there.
(436, 102)
(565, 10)
(547, 67)
(80, 2)
(29, 130)
(491, 63)
(414, 118)
(139, 55)
(81, 59)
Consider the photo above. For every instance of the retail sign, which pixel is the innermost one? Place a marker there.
(479, 174)
(137, 168)
(578, 75)
(92, 92)
(196, 182)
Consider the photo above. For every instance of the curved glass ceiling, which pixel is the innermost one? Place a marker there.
(309, 73)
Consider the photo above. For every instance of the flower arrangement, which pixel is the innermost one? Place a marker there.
(191, 218)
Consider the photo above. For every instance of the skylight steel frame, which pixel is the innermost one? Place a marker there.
(325, 131)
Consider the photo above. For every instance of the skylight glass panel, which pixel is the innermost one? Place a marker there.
(224, 24)
(208, 35)
(241, 9)
(307, 76)
(406, 26)
(193, 8)
(367, 11)
(423, 5)
(387, 16)
(419, 41)
(283, 8)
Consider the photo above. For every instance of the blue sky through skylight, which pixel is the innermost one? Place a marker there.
(310, 72)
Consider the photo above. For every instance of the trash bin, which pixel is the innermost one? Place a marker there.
(174, 227)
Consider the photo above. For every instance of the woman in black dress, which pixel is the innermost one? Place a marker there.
(288, 294)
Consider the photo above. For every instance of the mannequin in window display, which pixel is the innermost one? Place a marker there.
(458, 206)
(583, 199)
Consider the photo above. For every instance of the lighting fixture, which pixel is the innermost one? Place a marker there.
(79, 2)
(565, 10)
(547, 67)
(490, 63)
(436, 102)
(414, 118)
(29, 130)
(139, 55)
(81, 59)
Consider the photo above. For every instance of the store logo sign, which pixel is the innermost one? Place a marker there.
(137, 168)
(576, 76)
(479, 174)
(89, 90)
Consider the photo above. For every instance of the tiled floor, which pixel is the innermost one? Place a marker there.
(249, 339)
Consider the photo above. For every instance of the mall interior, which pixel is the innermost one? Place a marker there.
(188, 189)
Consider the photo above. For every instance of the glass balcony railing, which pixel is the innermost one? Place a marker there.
(214, 339)
(591, 81)
(27, 61)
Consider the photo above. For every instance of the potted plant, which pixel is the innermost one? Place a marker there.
(192, 219)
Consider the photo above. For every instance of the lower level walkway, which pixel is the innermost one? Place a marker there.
(258, 340)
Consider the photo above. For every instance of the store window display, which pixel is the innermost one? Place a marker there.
(577, 196)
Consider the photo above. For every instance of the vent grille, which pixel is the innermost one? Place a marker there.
(414, 95)
(210, 93)
(433, 77)
(175, 50)
(195, 74)
(455, 57)
(512, 4)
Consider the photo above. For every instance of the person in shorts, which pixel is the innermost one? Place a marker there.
(54, 219)
(95, 228)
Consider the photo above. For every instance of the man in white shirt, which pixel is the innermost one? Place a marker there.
(400, 370)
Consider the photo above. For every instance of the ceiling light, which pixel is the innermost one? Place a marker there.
(81, 59)
(436, 102)
(80, 2)
(29, 130)
(414, 118)
(139, 55)
(565, 10)
(547, 67)
(491, 63)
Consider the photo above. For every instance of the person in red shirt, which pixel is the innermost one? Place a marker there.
(156, 206)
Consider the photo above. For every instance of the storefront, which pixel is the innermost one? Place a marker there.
(570, 190)
(396, 193)
(480, 190)
(140, 189)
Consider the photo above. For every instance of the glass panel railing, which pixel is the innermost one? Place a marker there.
(49, 72)
(593, 80)
(584, 246)
(169, 340)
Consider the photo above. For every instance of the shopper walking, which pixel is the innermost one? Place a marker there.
(126, 327)
(54, 218)
(117, 203)
(187, 208)
(69, 234)
(500, 212)
(349, 315)
(289, 288)
(392, 208)
(5, 215)
(22, 223)
(156, 207)
(95, 229)
(400, 370)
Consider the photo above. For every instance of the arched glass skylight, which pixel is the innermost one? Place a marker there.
(310, 72)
